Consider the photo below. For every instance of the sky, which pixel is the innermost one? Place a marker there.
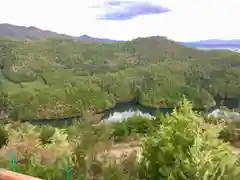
(180, 20)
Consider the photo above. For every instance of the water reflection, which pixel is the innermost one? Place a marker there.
(120, 116)
(54, 122)
(124, 110)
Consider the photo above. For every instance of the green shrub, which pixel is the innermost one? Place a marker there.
(231, 132)
(120, 131)
(211, 119)
(139, 125)
(46, 133)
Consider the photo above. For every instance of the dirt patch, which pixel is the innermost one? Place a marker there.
(117, 151)
(124, 149)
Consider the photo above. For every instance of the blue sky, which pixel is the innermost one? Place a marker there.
(180, 20)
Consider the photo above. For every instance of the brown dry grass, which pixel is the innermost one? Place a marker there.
(121, 151)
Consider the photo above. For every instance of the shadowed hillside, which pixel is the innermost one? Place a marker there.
(65, 77)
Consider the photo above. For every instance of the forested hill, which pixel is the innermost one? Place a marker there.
(56, 77)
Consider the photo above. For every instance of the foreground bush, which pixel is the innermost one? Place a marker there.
(180, 146)
(182, 149)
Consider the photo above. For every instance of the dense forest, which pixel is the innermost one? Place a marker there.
(61, 77)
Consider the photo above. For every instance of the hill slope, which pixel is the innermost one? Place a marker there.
(24, 33)
(65, 77)
(232, 45)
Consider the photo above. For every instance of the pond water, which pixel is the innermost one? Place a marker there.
(230, 103)
(119, 112)
(55, 122)
(124, 110)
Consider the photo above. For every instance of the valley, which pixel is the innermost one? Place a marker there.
(63, 101)
(64, 77)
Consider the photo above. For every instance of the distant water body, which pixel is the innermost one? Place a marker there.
(234, 49)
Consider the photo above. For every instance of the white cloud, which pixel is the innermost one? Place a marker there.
(189, 19)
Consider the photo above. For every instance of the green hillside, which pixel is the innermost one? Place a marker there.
(55, 77)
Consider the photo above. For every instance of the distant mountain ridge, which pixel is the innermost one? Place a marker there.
(34, 33)
(86, 37)
(26, 33)
(215, 43)
(198, 44)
